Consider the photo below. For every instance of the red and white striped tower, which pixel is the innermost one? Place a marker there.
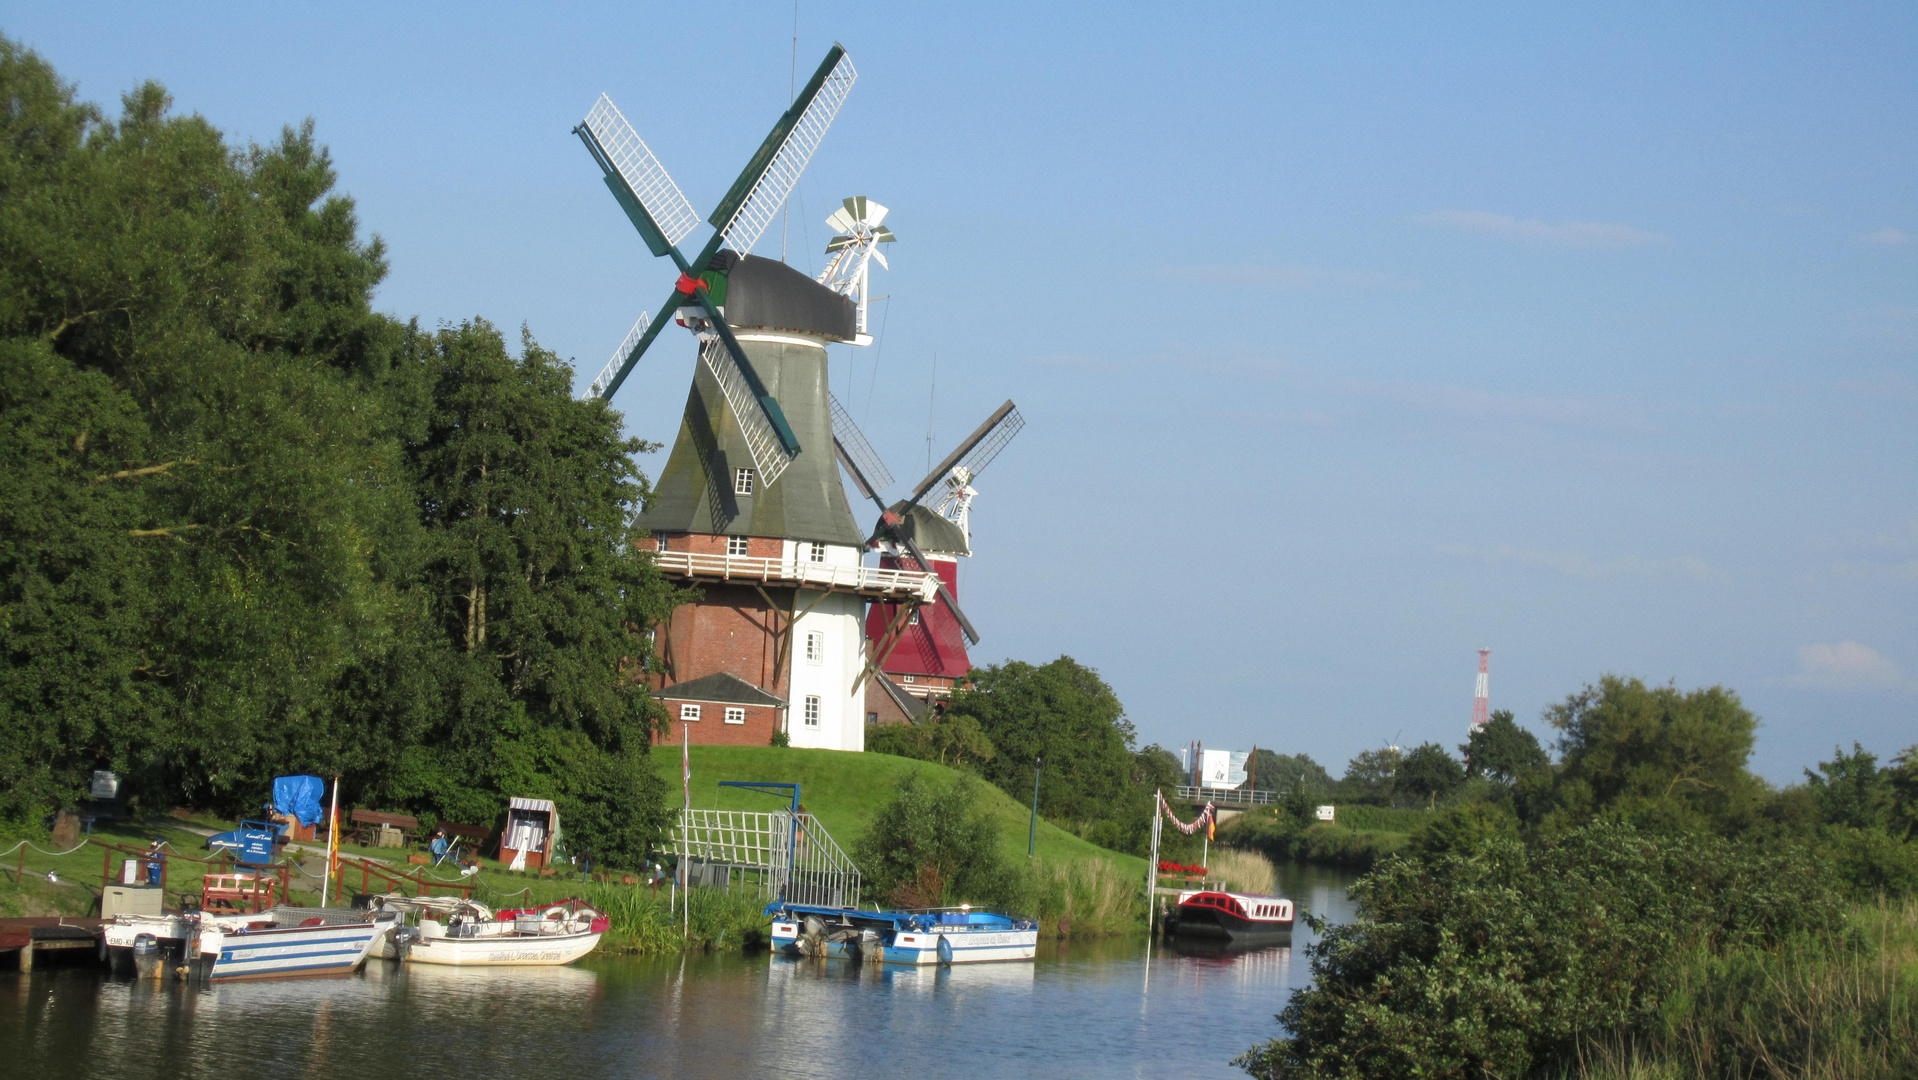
(1482, 692)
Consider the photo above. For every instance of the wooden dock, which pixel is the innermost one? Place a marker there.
(26, 937)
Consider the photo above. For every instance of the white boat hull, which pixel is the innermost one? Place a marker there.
(961, 945)
(502, 950)
(289, 952)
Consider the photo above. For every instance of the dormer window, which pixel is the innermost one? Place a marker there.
(735, 545)
(742, 481)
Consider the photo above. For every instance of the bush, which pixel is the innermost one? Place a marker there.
(1493, 960)
(932, 846)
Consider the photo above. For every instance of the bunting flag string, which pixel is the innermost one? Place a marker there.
(1205, 819)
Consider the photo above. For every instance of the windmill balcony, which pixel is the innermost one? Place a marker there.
(868, 581)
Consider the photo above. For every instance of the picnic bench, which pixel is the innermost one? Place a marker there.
(371, 828)
(238, 893)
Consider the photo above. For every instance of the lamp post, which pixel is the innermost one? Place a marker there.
(1032, 830)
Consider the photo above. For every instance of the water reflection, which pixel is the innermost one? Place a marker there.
(1091, 1008)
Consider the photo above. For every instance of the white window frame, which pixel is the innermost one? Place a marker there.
(735, 714)
(689, 711)
(742, 481)
(812, 710)
(736, 546)
(659, 543)
(815, 647)
(816, 552)
(908, 678)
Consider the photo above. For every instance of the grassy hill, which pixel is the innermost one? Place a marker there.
(845, 790)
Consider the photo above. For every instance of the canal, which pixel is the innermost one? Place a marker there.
(1085, 1008)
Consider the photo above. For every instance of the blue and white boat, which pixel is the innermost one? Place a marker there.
(958, 935)
(287, 942)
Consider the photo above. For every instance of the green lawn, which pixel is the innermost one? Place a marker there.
(844, 791)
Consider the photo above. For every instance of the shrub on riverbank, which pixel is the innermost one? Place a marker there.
(1498, 960)
(1813, 1005)
(1369, 835)
(649, 923)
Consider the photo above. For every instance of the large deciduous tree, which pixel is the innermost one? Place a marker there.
(1502, 751)
(1064, 713)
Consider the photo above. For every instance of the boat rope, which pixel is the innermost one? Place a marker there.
(44, 851)
(1205, 819)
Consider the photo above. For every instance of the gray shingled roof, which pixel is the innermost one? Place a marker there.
(914, 708)
(722, 687)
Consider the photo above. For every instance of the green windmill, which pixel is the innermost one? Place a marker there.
(664, 217)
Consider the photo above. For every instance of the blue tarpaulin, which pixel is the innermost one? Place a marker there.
(299, 796)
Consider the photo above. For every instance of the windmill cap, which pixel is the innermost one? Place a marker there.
(766, 294)
(932, 532)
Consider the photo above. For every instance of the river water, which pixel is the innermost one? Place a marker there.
(1088, 1008)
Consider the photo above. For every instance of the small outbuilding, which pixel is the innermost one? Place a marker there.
(532, 827)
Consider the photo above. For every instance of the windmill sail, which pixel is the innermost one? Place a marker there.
(761, 189)
(613, 367)
(622, 154)
(762, 442)
(870, 470)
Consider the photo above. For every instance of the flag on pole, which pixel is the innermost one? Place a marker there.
(686, 762)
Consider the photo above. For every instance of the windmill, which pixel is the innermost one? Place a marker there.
(663, 216)
(853, 248)
(945, 532)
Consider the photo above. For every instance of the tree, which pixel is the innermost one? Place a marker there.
(931, 846)
(1902, 780)
(1371, 775)
(1429, 771)
(537, 593)
(1065, 713)
(1654, 755)
(1501, 750)
(1851, 789)
(957, 741)
(1284, 772)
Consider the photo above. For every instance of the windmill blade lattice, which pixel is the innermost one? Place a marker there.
(796, 137)
(768, 450)
(646, 179)
(870, 469)
(611, 370)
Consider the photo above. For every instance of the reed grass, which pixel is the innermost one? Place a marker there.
(1819, 1006)
(1242, 871)
(1083, 897)
(651, 923)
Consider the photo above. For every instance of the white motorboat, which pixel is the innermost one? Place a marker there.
(287, 942)
(465, 933)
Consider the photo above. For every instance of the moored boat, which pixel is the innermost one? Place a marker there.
(924, 936)
(467, 934)
(288, 942)
(1241, 918)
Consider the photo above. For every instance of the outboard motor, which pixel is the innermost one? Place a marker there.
(404, 938)
(146, 956)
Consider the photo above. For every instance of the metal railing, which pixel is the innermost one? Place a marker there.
(866, 580)
(762, 851)
(1225, 796)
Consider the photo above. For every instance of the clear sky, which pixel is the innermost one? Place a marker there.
(1352, 338)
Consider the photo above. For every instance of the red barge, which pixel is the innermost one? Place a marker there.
(1240, 918)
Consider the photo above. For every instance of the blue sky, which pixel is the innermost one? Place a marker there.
(1350, 340)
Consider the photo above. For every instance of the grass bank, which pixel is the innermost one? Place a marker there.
(1812, 1007)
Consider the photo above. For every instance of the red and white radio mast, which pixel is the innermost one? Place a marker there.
(1481, 691)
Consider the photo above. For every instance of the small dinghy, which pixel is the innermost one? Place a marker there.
(922, 936)
(1240, 918)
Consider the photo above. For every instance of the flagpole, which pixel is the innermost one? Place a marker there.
(332, 840)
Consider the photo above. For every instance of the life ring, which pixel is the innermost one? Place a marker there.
(557, 911)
